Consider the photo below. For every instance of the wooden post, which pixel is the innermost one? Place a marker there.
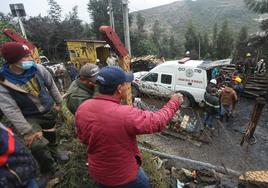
(260, 102)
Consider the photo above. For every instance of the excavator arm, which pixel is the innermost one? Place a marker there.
(114, 41)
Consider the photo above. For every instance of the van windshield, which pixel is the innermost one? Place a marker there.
(152, 77)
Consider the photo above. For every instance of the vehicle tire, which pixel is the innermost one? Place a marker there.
(188, 100)
(201, 104)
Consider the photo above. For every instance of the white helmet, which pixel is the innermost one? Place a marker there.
(187, 53)
(213, 81)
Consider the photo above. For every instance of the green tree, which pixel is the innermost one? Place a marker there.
(214, 41)
(259, 41)
(241, 42)
(224, 42)
(99, 14)
(205, 46)
(140, 22)
(156, 35)
(54, 11)
(165, 46)
(175, 49)
(259, 6)
(191, 40)
(142, 44)
(6, 21)
(50, 35)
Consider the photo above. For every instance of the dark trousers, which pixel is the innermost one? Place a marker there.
(141, 181)
(45, 149)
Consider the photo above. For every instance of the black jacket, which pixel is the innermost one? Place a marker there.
(212, 103)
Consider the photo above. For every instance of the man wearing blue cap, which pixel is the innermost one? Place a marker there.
(109, 129)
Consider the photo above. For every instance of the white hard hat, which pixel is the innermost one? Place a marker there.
(187, 53)
(213, 81)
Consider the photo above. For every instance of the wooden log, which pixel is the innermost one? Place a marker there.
(257, 84)
(170, 133)
(251, 93)
(196, 164)
(259, 178)
(255, 88)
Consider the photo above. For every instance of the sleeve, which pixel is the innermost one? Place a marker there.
(50, 84)
(11, 110)
(73, 102)
(144, 122)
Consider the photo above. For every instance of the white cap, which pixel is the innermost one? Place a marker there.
(213, 81)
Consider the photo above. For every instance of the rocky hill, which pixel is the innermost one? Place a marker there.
(204, 14)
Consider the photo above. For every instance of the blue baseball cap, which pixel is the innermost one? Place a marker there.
(112, 76)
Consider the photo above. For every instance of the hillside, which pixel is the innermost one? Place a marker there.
(203, 13)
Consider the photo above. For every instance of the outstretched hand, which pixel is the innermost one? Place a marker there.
(178, 97)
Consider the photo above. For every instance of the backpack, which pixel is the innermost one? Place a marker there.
(17, 165)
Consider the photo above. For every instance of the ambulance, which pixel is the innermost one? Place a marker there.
(190, 77)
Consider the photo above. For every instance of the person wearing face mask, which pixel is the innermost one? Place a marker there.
(29, 98)
(82, 88)
(109, 130)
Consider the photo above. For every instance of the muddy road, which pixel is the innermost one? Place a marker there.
(224, 147)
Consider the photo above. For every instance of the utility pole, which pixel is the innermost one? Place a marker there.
(199, 48)
(111, 14)
(17, 10)
(22, 28)
(126, 25)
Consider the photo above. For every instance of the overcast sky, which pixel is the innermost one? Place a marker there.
(36, 7)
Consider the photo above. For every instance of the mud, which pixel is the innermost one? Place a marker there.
(224, 147)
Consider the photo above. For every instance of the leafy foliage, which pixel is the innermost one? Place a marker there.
(54, 11)
(259, 6)
(99, 14)
(259, 41)
(50, 32)
(224, 42)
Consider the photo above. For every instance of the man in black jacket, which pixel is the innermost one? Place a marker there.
(212, 107)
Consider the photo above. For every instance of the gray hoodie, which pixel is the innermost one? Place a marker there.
(10, 107)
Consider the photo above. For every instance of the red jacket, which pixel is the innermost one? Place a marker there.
(109, 129)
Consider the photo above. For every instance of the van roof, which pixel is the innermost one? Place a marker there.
(206, 65)
(189, 63)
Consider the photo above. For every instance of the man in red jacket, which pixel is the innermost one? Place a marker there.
(110, 128)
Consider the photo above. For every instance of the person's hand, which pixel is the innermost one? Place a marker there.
(38, 135)
(178, 97)
(31, 137)
(57, 107)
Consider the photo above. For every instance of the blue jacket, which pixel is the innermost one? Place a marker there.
(17, 165)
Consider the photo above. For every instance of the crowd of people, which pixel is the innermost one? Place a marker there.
(225, 88)
(30, 100)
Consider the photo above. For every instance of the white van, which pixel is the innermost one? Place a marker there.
(189, 77)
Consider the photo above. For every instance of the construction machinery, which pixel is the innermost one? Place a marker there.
(87, 51)
(124, 58)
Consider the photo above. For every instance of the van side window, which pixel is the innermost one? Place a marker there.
(166, 79)
(151, 77)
